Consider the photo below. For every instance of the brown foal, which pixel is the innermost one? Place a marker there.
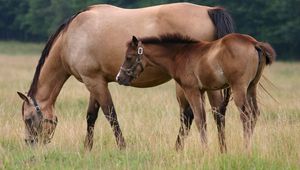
(235, 61)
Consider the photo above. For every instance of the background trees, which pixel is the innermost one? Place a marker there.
(275, 21)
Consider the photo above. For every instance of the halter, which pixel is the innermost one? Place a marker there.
(130, 71)
(40, 113)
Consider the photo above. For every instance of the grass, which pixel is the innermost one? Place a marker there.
(15, 48)
(149, 119)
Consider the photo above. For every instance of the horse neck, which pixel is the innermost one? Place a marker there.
(51, 80)
(166, 56)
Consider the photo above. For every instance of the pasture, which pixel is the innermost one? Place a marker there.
(149, 119)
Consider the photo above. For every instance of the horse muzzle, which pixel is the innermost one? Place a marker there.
(123, 81)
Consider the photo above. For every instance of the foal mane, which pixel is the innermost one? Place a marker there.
(169, 39)
(46, 50)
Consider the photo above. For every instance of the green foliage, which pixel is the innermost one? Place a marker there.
(275, 21)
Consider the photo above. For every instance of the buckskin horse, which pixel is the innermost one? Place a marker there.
(90, 47)
(235, 61)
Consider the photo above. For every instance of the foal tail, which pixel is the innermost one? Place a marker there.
(267, 51)
(266, 56)
(222, 20)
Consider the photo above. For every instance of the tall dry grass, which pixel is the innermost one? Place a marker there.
(149, 119)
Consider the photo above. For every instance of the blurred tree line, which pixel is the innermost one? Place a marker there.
(275, 21)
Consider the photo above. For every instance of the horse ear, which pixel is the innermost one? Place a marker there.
(134, 41)
(23, 97)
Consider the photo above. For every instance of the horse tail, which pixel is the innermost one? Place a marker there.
(267, 51)
(266, 56)
(222, 20)
(46, 51)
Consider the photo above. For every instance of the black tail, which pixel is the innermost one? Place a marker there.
(222, 20)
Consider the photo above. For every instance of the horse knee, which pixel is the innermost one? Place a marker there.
(91, 118)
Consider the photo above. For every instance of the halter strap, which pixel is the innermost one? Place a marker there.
(138, 62)
(37, 107)
(40, 113)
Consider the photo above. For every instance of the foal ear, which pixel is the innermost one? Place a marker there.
(134, 41)
(23, 97)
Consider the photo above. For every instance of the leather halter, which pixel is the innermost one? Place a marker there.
(138, 62)
(40, 113)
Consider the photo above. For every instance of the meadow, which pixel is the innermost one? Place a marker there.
(149, 120)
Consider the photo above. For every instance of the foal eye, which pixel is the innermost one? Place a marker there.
(128, 58)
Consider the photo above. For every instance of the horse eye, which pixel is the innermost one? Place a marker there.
(128, 58)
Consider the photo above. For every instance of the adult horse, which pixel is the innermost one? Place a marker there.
(90, 47)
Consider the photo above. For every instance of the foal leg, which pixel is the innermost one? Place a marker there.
(186, 118)
(195, 99)
(91, 117)
(99, 89)
(251, 95)
(219, 104)
(240, 99)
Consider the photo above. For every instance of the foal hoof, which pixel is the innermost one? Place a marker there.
(88, 145)
(122, 146)
(178, 147)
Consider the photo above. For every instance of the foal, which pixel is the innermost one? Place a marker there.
(234, 61)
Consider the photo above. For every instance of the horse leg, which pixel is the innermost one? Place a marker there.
(240, 99)
(91, 117)
(219, 105)
(186, 118)
(195, 99)
(251, 95)
(100, 92)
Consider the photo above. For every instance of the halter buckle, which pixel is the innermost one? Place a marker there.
(140, 51)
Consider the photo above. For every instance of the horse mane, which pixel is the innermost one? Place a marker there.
(46, 50)
(169, 39)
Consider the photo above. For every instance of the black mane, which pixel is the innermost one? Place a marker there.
(168, 39)
(45, 53)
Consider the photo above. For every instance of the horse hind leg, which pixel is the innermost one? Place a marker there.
(252, 99)
(219, 104)
(91, 117)
(240, 99)
(186, 118)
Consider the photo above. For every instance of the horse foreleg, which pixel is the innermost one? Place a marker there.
(110, 114)
(91, 117)
(195, 99)
(186, 118)
(99, 90)
(218, 105)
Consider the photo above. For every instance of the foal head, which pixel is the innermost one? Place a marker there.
(134, 64)
(36, 126)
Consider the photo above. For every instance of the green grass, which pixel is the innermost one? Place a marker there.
(15, 48)
(149, 119)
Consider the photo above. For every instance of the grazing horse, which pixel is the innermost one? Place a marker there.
(90, 47)
(235, 61)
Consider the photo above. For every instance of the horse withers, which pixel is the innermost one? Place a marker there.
(235, 61)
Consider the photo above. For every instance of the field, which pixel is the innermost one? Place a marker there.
(149, 119)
